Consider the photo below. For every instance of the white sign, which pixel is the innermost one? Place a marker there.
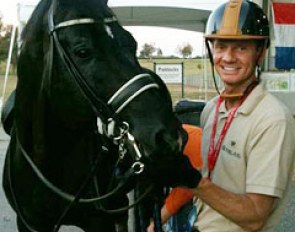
(170, 73)
(277, 81)
(292, 80)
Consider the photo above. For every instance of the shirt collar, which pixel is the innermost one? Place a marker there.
(251, 101)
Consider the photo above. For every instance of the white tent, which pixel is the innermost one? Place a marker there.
(183, 15)
(173, 17)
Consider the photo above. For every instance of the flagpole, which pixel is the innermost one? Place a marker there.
(264, 4)
(266, 8)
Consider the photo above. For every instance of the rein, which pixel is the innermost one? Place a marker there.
(135, 169)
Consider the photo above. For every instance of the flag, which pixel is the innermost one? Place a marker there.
(284, 29)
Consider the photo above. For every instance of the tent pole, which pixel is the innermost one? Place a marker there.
(12, 39)
(205, 70)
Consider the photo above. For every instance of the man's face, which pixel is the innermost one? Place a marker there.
(235, 61)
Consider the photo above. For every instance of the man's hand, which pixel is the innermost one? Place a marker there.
(173, 171)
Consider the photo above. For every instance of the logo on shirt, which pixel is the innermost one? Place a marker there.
(230, 151)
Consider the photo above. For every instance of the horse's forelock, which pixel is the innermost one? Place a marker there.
(32, 42)
(90, 4)
(36, 23)
(72, 9)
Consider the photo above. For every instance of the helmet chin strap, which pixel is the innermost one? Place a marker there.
(251, 85)
(212, 65)
(258, 72)
(232, 96)
(225, 95)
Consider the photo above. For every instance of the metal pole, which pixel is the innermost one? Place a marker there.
(182, 81)
(264, 4)
(205, 71)
(267, 8)
(8, 65)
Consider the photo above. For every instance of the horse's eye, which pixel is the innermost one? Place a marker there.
(82, 53)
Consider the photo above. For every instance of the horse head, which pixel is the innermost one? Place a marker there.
(87, 58)
(79, 82)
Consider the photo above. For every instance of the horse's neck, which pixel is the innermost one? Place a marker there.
(54, 138)
(59, 138)
(69, 153)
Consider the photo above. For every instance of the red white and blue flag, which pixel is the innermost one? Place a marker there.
(284, 29)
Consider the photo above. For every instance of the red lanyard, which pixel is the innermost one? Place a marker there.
(214, 150)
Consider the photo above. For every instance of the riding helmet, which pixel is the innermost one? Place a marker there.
(238, 19)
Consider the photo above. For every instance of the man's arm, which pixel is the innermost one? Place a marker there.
(250, 211)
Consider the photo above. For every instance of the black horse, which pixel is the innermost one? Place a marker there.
(85, 115)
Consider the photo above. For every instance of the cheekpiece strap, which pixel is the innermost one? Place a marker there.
(131, 90)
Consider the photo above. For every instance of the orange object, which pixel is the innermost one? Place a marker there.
(180, 196)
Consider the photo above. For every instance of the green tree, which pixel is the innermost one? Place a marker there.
(5, 38)
(159, 52)
(185, 50)
(147, 50)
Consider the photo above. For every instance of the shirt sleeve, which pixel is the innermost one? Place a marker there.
(180, 196)
(270, 161)
(177, 198)
(192, 148)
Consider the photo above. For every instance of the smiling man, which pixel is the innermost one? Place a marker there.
(248, 135)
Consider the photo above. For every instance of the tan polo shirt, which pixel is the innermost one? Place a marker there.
(256, 156)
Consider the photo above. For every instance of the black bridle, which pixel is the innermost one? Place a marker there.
(106, 112)
(107, 120)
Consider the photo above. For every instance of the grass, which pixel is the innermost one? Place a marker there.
(192, 68)
(11, 80)
(189, 92)
(10, 85)
(176, 90)
(12, 70)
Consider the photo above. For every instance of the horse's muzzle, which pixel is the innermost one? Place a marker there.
(163, 143)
